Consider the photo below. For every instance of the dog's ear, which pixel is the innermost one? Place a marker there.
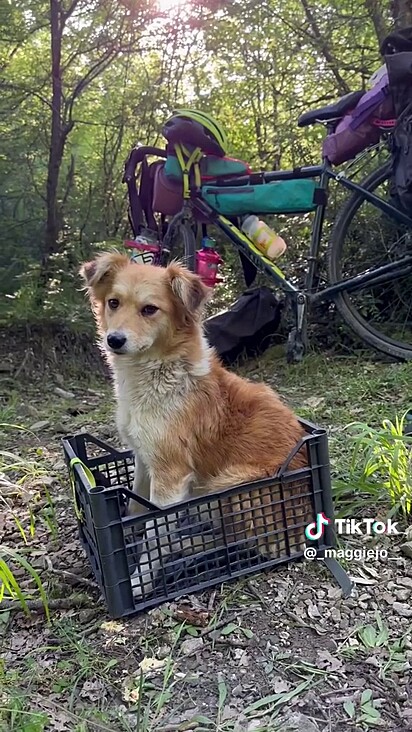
(188, 288)
(100, 270)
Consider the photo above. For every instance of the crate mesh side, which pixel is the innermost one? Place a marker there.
(205, 541)
(219, 537)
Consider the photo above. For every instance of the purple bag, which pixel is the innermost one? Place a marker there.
(356, 130)
(167, 194)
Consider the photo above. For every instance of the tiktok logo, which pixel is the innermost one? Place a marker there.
(315, 530)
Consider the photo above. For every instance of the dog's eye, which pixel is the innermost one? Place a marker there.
(149, 310)
(113, 303)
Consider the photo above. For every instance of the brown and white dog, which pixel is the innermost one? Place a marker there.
(195, 428)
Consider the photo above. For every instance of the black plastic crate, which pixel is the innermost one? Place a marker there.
(144, 560)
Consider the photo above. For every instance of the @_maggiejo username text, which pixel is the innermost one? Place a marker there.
(357, 555)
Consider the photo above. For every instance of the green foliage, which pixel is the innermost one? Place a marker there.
(382, 462)
(374, 636)
(19, 478)
(124, 67)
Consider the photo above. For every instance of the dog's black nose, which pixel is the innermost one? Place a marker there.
(116, 340)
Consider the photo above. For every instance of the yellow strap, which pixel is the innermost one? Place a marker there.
(198, 180)
(90, 477)
(193, 159)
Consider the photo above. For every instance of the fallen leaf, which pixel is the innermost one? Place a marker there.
(111, 626)
(329, 662)
(362, 581)
(314, 402)
(406, 548)
(280, 685)
(150, 665)
(229, 713)
(93, 690)
(191, 645)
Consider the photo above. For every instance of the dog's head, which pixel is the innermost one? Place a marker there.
(140, 308)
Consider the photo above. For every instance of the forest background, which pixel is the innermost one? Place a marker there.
(82, 81)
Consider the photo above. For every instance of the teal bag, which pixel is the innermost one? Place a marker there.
(284, 196)
(210, 167)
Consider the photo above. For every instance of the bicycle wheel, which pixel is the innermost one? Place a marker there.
(364, 238)
(179, 243)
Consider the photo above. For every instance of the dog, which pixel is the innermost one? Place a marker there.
(195, 428)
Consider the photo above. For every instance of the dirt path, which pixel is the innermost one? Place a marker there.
(280, 651)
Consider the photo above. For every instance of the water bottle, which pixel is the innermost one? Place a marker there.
(268, 241)
(207, 262)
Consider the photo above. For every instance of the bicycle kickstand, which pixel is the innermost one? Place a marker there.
(297, 339)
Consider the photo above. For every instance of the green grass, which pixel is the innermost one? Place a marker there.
(369, 464)
(20, 482)
(330, 391)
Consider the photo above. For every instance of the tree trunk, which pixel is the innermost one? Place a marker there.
(58, 136)
(401, 13)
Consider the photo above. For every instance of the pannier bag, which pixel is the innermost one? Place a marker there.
(286, 196)
(247, 328)
(167, 194)
(397, 48)
(356, 130)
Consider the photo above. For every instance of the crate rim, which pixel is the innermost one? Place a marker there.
(312, 431)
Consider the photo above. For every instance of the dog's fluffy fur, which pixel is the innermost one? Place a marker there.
(195, 428)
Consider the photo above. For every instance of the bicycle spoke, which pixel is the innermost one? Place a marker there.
(384, 306)
(368, 242)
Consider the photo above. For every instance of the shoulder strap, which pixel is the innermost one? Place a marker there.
(189, 161)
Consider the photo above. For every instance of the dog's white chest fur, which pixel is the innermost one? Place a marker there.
(149, 397)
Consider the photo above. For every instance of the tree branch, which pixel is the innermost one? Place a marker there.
(324, 47)
(376, 16)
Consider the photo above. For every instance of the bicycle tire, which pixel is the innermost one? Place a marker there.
(183, 238)
(347, 309)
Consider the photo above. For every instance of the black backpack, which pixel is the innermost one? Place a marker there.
(397, 49)
(247, 328)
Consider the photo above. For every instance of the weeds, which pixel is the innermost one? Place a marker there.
(374, 639)
(21, 478)
(381, 467)
(366, 714)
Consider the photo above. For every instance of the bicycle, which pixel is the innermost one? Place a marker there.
(373, 297)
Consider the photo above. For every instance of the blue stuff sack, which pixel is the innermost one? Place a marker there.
(211, 166)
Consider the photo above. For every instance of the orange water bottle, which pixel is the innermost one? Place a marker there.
(268, 241)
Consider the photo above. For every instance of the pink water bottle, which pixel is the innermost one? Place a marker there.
(207, 262)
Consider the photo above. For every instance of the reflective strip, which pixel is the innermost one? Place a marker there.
(90, 477)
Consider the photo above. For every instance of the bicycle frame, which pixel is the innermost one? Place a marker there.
(301, 297)
(325, 173)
